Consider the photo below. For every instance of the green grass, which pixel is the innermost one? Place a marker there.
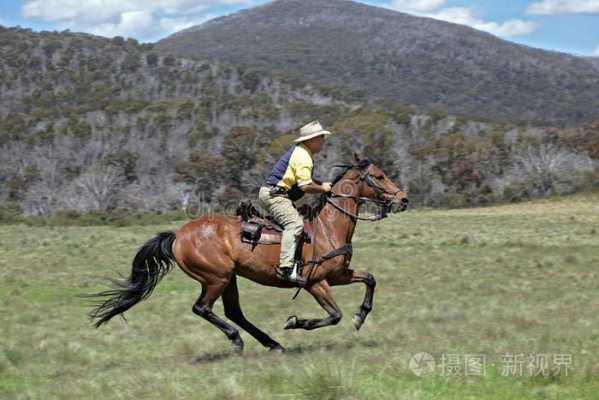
(508, 279)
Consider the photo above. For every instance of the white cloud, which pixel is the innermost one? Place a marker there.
(129, 24)
(150, 19)
(463, 16)
(553, 7)
(61, 10)
(142, 19)
(172, 25)
(596, 53)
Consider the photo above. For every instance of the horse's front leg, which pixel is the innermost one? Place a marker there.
(322, 293)
(350, 276)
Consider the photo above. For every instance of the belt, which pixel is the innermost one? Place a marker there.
(276, 190)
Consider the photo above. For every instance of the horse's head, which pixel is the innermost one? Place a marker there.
(365, 179)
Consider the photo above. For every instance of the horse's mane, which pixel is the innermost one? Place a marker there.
(346, 167)
(311, 211)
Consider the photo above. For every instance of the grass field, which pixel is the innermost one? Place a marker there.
(490, 284)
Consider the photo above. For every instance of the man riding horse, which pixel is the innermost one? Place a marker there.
(290, 178)
(211, 251)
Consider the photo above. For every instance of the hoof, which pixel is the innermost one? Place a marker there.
(278, 349)
(358, 321)
(237, 345)
(291, 322)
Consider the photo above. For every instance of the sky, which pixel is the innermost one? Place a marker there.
(570, 26)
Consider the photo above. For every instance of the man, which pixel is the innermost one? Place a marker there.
(292, 177)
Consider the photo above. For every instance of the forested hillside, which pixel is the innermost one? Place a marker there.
(88, 123)
(375, 54)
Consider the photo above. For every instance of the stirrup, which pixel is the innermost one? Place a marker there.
(291, 275)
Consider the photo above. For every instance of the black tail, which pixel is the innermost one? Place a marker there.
(151, 263)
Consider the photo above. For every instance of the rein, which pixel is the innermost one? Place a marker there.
(354, 217)
(364, 176)
(347, 248)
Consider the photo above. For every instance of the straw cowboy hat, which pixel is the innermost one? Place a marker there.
(310, 131)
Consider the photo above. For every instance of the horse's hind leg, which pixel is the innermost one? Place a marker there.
(234, 313)
(203, 308)
(322, 293)
(350, 276)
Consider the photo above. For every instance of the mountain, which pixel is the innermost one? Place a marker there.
(112, 126)
(375, 54)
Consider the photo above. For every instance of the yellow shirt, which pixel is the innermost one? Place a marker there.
(293, 168)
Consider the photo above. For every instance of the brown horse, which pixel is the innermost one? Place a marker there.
(210, 251)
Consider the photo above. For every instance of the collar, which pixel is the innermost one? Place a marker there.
(306, 148)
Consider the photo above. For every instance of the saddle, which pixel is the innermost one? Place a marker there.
(256, 228)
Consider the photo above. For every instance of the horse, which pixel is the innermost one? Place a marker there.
(210, 251)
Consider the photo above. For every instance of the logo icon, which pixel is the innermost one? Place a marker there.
(422, 364)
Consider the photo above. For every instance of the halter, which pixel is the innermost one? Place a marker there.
(346, 250)
(380, 191)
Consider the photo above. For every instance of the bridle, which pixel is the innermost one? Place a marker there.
(346, 249)
(385, 205)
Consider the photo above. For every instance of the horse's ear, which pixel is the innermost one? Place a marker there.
(357, 158)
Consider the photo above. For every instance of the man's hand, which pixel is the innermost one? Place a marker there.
(313, 187)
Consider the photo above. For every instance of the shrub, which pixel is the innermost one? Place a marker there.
(10, 212)
(403, 115)
(152, 59)
(456, 200)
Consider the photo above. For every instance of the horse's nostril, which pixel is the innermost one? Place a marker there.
(405, 200)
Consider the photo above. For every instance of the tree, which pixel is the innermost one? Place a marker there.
(96, 189)
(131, 63)
(152, 60)
(42, 198)
(239, 151)
(202, 172)
(403, 114)
(251, 80)
(549, 169)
